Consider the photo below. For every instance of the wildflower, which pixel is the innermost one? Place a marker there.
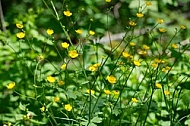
(168, 68)
(142, 52)
(111, 79)
(20, 35)
(91, 32)
(92, 68)
(160, 21)
(134, 100)
(73, 53)
(115, 92)
(145, 47)
(65, 45)
(139, 15)
(174, 46)
(19, 26)
(162, 30)
(78, 31)
(42, 109)
(56, 99)
(183, 27)
(125, 54)
(41, 57)
(49, 31)
(155, 65)
(67, 13)
(132, 44)
(61, 83)
(11, 85)
(108, 1)
(132, 23)
(90, 91)
(157, 60)
(166, 92)
(50, 79)
(148, 3)
(68, 107)
(108, 92)
(63, 66)
(136, 63)
(158, 85)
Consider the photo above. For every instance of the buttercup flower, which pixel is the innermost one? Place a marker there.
(183, 27)
(42, 109)
(115, 92)
(132, 44)
(79, 31)
(50, 79)
(162, 30)
(136, 63)
(155, 65)
(92, 68)
(67, 13)
(132, 23)
(145, 47)
(166, 92)
(63, 66)
(160, 21)
(134, 100)
(49, 31)
(111, 79)
(142, 52)
(158, 85)
(108, 92)
(90, 91)
(73, 53)
(19, 26)
(148, 3)
(41, 57)
(65, 45)
(125, 54)
(108, 1)
(174, 46)
(68, 107)
(157, 60)
(139, 15)
(91, 32)
(56, 99)
(61, 83)
(11, 85)
(20, 35)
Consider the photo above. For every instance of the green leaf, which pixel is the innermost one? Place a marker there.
(97, 120)
(185, 85)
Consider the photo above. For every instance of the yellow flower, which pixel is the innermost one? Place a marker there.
(145, 47)
(125, 54)
(90, 91)
(67, 13)
(79, 31)
(108, 92)
(183, 27)
(115, 92)
(168, 68)
(50, 79)
(108, 1)
(11, 85)
(166, 92)
(174, 46)
(19, 26)
(148, 3)
(111, 79)
(61, 83)
(56, 99)
(132, 44)
(65, 45)
(158, 85)
(139, 15)
(68, 107)
(160, 21)
(162, 30)
(63, 66)
(49, 31)
(42, 109)
(155, 65)
(41, 57)
(20, 35)
(132, 23)
(92, 68)
(134, 100)
(142, 52)
(91, 32)
(96, 64)
(73, 53)
(136, 63)
(157, 60)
